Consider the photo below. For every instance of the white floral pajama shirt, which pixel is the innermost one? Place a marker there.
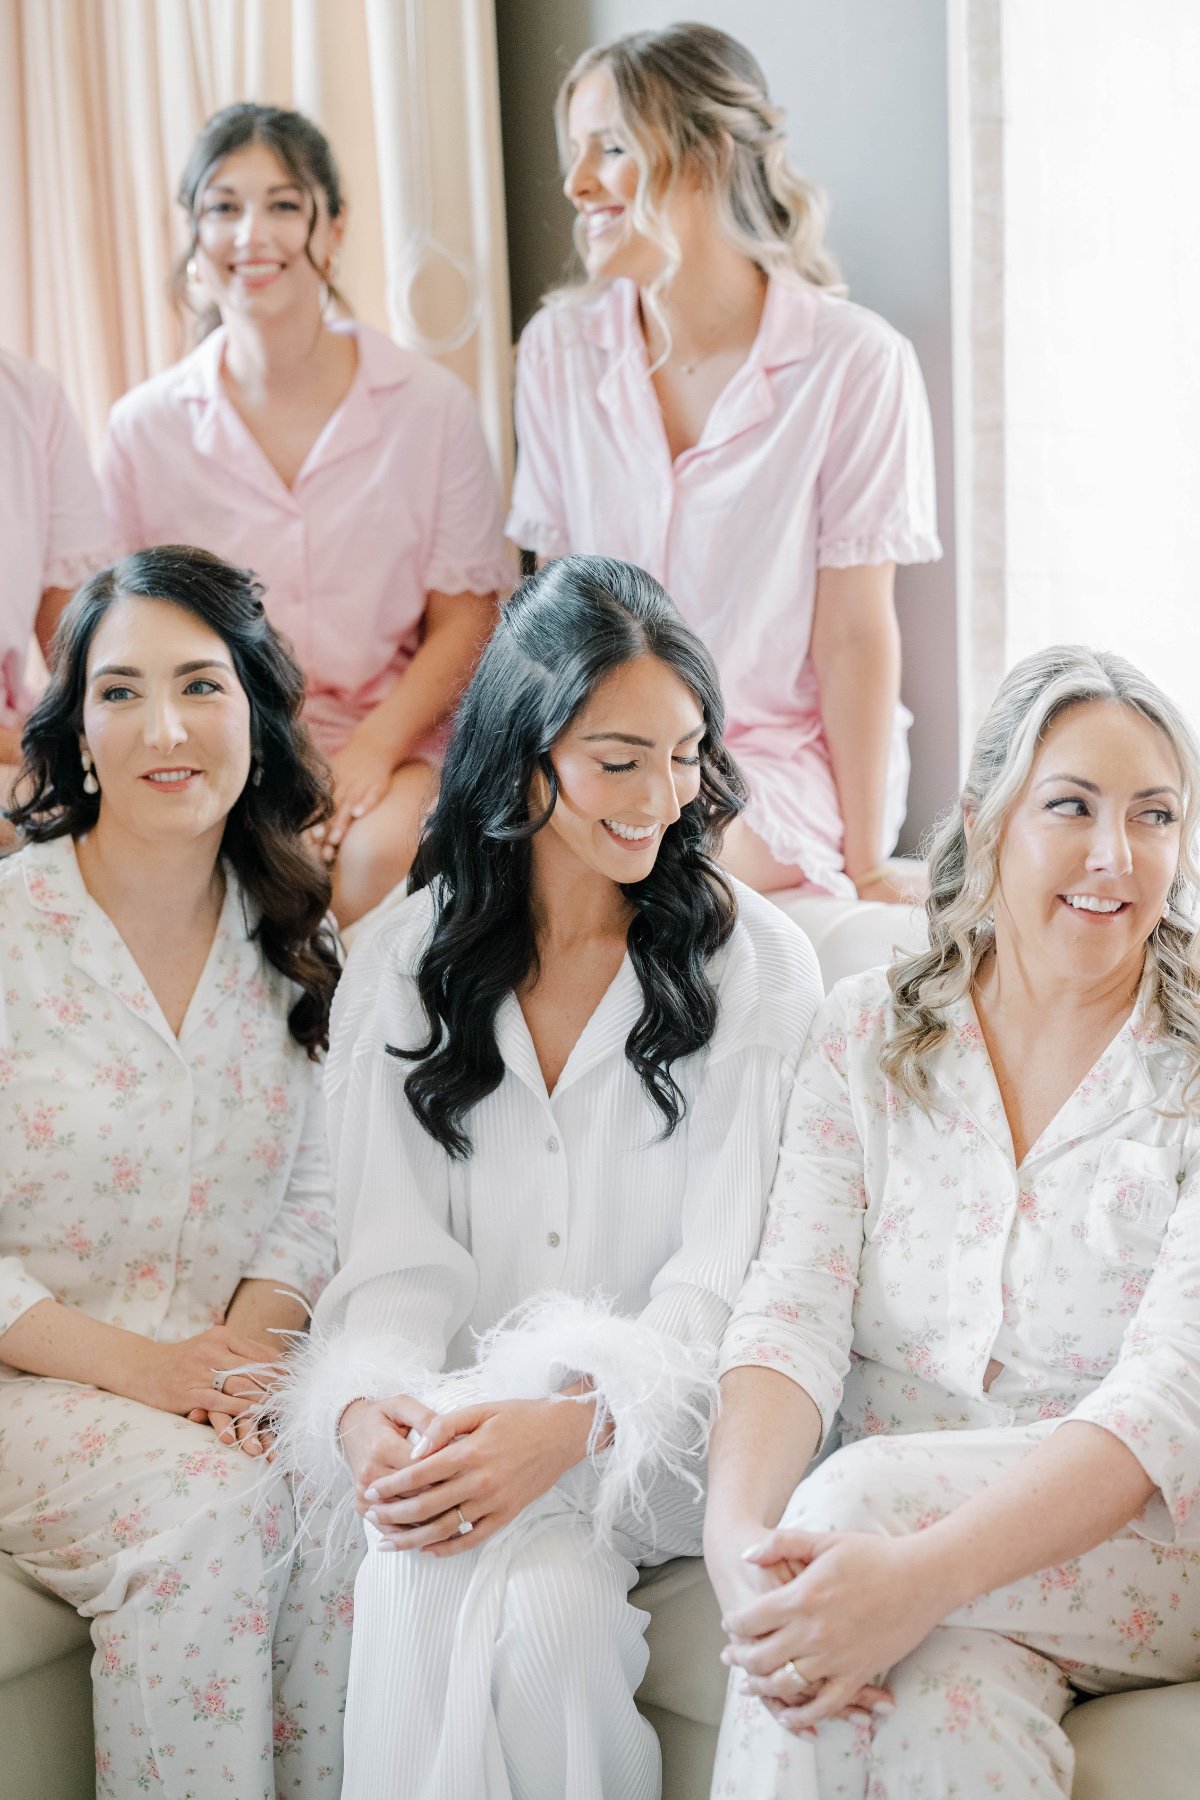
(142, 1177)
(904, 1251)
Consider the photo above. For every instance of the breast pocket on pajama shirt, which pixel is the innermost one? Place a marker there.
(1133, 1197)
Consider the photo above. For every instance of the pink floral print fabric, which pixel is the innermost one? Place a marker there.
(221, 1648)
(979, 1703)
(142, 1176)
(903, 1250)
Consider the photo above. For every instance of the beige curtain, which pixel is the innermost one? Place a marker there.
(100, 101)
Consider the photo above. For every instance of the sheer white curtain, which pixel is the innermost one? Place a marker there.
(100, 100)
(1077, 151)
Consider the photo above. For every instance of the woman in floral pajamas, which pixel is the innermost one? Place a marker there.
(164, 1190)
(983, 1256)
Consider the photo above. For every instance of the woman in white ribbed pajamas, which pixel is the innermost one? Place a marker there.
(164, 1179)
(556, 1084)
(983, 1257)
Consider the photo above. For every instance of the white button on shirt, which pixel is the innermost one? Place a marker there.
(435, 1251)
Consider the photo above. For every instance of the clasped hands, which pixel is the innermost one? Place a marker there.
(837, 1608)
(478, 1465)
(238, 1411)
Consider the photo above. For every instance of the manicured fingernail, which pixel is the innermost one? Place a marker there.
(373, 1516)
(883, 1709)
(356, 812)
(752, 1552)
(372, 1493)
(318, 831)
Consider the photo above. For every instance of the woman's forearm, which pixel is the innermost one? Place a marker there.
(64, 1344)
(261, 1307)
(1074, 1491)
(457, 627)
(765, 1436)
(856, 659)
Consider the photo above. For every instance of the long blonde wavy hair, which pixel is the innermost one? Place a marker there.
(964, 871)
(692, 99)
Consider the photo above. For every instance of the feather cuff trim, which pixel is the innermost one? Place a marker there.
(658, 1393)
(324, 1375)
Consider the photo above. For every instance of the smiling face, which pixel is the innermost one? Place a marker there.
(1091, 847)
(627, 765)
(166, 721)
(602, 183)
(252, 230)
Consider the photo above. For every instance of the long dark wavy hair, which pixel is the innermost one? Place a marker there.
(563, 631)
(262, 840)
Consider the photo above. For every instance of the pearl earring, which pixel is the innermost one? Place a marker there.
(256, 778)
(192, 270)
(1166, 909)
(90, 784)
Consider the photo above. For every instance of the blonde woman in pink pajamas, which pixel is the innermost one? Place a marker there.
(707, 405)
(979, 1278)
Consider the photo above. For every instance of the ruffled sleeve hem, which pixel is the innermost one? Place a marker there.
(536, 535)
(900, 545)
(493, 577)
(71, 568)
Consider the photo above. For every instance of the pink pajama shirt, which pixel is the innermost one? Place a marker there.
(52, 525)
(396, 499)
(817, 454)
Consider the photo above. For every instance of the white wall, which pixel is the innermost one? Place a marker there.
(864, 84)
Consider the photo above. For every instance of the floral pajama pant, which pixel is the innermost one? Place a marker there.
(979, 1703)
(221, 1645)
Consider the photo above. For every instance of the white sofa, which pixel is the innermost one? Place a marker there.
(1143, 1746)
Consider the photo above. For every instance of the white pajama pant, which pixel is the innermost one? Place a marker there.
(979, 1703)
(508, 1672)
(221, 1650)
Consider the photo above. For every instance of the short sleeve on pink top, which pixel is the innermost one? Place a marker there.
(396, 499)
(52, 526)
(818, 453)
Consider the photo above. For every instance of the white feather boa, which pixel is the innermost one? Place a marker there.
(657, 1392)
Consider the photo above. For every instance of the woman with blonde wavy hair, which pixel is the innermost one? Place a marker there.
(707, 404)
(979, 1273)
